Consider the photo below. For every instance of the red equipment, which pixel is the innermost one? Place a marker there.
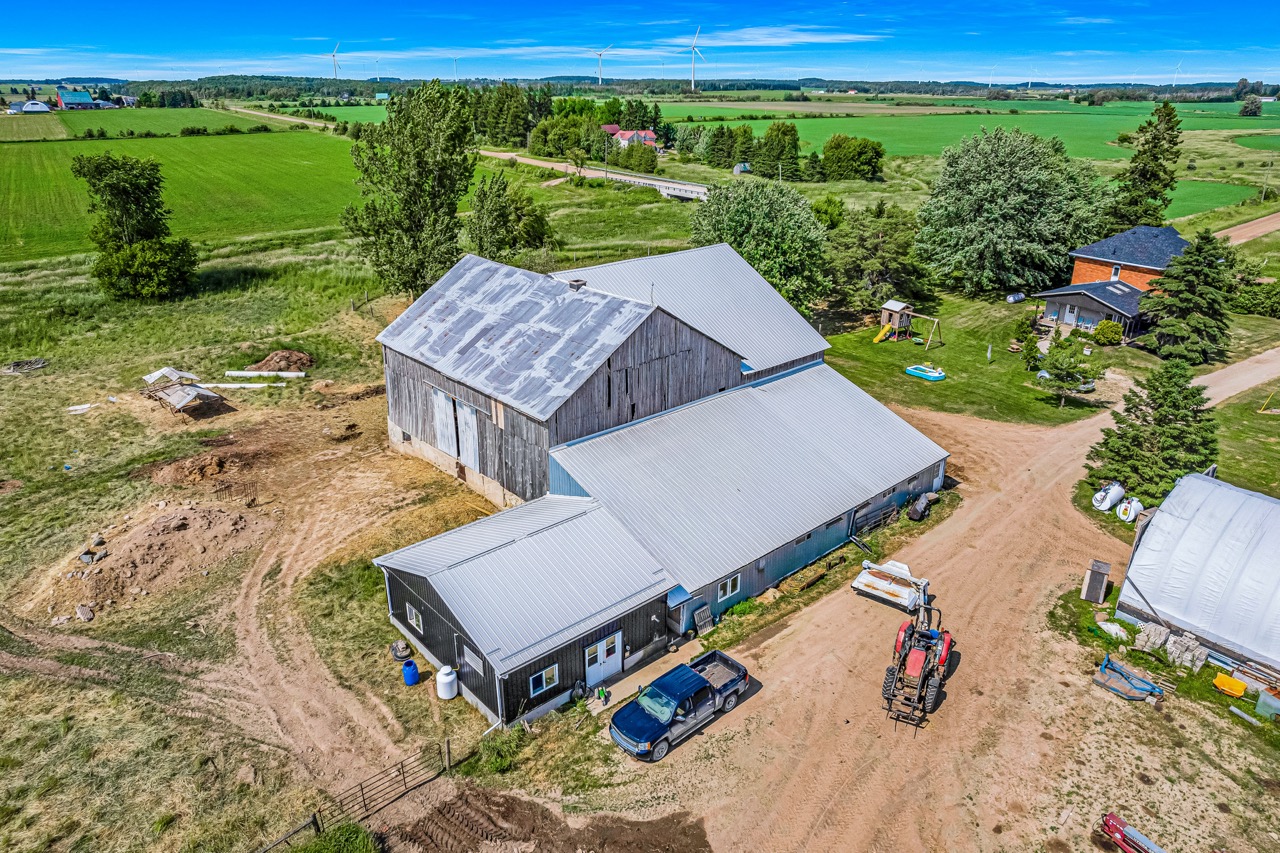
(921, 653)
(1126, 837)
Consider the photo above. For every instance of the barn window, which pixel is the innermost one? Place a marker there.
(404, 436)
(729, 587)
(473, 659)
(540, 682)
(803, 539)
(833, 522)
(415, 618)
(608, 384)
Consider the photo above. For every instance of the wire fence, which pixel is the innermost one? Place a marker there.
(369, 796)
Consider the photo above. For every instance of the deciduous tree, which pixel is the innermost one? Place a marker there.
(413, 169)
(135, 257)
(1188, 304)
(1063, 369)
(773, 227)
(871, 256)
(848, 158)
(504, 219)
(1251, 106)
(1144, 185)
(1165, 430)
(1005, 211)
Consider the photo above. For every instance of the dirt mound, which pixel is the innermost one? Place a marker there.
(231, 456)
(284, 360)
(7, 486)
(478, 819)
(154, 556)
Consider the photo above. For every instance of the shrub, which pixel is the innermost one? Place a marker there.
(745, 608)
(1108, 334)
(150, 269)
(232, 128)
(260, 128)
(497, 752)
(194, 131)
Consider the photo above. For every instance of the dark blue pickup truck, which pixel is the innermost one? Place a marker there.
(677, 704)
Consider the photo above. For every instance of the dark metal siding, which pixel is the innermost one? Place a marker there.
(638, 630)
(441, 633)
(663, 364)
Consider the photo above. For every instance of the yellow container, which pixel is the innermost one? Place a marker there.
(1228, 685)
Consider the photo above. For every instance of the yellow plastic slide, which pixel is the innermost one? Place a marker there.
(888, 327)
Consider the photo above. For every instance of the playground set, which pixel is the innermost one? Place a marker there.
(896, 325)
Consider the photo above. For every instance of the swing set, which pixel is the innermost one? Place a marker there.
(1266, 411)
(895, 325)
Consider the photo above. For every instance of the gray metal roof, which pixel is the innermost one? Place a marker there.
(521, 337)
(529, 579)
(712, 486)
(718, 293)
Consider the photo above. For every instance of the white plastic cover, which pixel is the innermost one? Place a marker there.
(1209, 562)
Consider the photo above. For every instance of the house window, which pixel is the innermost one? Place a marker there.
(473, 659)
(1115, 272)
(729, 587)
(541, 682)
(415, 618)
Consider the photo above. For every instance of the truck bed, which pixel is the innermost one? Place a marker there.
(717, 673)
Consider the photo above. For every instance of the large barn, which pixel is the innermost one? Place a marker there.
(670, 442)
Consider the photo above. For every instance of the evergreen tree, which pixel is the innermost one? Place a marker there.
(1005, 211)
(777, 155)
(412, 170)
(812, 170)
(871, 256)
(1188, 304)
(744, 144)
(718, 147)
(1165, 430)
(1144, 185)
(1064, 370)
(504, 219)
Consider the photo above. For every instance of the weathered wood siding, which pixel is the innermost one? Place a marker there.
(663, 364)
(493, 440)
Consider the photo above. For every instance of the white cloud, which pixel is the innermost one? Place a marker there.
(1082, 22)
(785, 36)
(309, 38)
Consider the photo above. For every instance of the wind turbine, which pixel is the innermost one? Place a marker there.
(599, 64)
(1176, 72)
(376, 72)
(991, 76)
(334, 57)
(455, 68)
(694, 55)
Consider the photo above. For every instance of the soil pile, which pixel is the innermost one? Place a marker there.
(231, 456)
(7, 486)
(287, 360)
(156, 556)
(478, 819)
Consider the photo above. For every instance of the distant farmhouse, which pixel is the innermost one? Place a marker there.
(670, 443)
(1109, 278)
(626, 137)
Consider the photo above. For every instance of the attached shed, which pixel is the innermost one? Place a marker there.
(733, 493)
(1207, 563)
(1084, 306)
(530, 602)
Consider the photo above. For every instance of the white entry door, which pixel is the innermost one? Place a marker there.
(604, 659)
(1071, 314)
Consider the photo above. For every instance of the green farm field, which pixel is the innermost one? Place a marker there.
(32, 127)
(158, 121)
(1085, 134)
(219, 187)
(1259, 143)
(1192, 197)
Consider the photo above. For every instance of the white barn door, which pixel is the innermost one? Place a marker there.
(446, 425)
(468, 438)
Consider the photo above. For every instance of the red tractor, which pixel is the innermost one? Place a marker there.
(921, 654)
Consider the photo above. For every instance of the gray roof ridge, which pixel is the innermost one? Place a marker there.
(646, 258)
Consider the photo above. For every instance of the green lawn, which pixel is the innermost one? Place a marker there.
(1001, 391)
(1191, 197)
(157, 121)
(1086, 134)
(1249, 442)
(218, 187)
(356, 113)
(24, 128)
(1259, 143)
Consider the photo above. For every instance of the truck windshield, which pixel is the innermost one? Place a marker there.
(656, 705)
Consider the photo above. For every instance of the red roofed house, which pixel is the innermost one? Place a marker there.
(626, 137)
(610, 129)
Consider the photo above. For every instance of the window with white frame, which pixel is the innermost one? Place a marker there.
(473, 659)
(729, 587)
(415, 618)
(1115, 272)
(540, 682)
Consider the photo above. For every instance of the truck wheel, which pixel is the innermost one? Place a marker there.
(660, 751)
(890, 681)
(931, 695)
(730, 702)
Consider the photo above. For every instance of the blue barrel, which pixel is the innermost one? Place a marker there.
(410, 670)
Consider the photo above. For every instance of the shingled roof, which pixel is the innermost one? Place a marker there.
(1118, 295)
(1141, 246)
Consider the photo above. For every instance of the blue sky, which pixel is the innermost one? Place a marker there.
(933, 39)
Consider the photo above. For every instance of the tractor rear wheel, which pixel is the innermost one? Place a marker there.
(931, 694)
(890, 681)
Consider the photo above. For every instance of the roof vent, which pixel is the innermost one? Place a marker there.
(576, 284)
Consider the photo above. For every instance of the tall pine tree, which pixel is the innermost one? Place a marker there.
(1165, 430)
(1188, 305)
(1144, 185)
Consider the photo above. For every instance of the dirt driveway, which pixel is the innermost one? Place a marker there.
(1251, 230)
(811, 763)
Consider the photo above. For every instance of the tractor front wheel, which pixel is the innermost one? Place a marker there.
(890, 681)
(931, 694)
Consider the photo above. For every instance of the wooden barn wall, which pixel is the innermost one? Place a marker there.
(663, 364)
(637, 627)
(441, 633)
(784, 367)
(511, 450)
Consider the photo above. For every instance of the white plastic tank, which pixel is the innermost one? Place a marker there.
(1128, 510)
(447, 682)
